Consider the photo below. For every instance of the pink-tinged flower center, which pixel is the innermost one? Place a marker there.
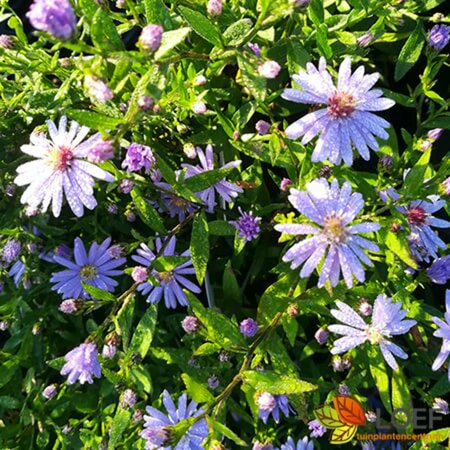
(416, 216)
(341, 105)
(334, 229)
(88, 272)
(60, 158)
(374, 336)
(164, 277)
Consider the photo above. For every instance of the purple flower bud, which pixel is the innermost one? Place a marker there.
(56, 17)
(190, 324)
(247, 225)
(6, 41)
(190, 151)
(249, 327)
(440, 406)
(145, 103)
(301, 3)
(269, 69)
(371, 416)
(120, 4)
(115, 251)
(49, 392)
(130, 216)
(343, 389)
(82, 364)
(97, 89)
(109, 350)
(285, 183)
(321, 336)
(31, 211)
(126, 186)
(199, 108)
(236, 135)
(37, 329)
(11, 251)
(128, 399)
(255, 49)
(446, 186)
(214, 7)
(317, 430)
(341, 364)
(69, 306)
(138, 157)
(293, 310)
(4, 325)
(10, 190)
(386, 163)
(325, 172)
(102, 151)
(438, 37)
(262, 127)
(262, 446)
(365, 39)
(139, 274)
(138, 416)
(150, 38)
(435, 133)
(265, 401)
(213, 382)
(112, 208)
(425, 145)
(365, 308)
(200, 80)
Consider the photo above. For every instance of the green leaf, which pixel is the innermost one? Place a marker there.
(277, 383)
(316, 12)
(200, 246)
(146, 212)
(251, 80)
(221, 228)
(236, 32)
(93, 120)
(220, 329)
(202, 26)
(125, 320)
(104, 33)
(379, 375)
(15, 24)
(437, 435)
(170, 40)
(157, 12)
(204, 180)
(398, 244)
(197, 390)
(297, 57)
(56, 364)
(225, 431)
(168, 263)
(401, 399)
(322, 41)
(410, 52)
(416, 176)
(207, 349)
(119, 425)
(441, 121)
(143, 336)
(98, 294)
(8, 402)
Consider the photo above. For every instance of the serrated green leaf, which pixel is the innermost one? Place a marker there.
(197, 390)
(322, 41)
(202, 26)
(251, 80)
(277, 383)
(143, 336)
(398, 244)
(157, 12)
(236, 32)
(146, 212)
(119, 425)
(170, 40)
(199, 247)
(98, 294)
(410, 52)
(104, 33)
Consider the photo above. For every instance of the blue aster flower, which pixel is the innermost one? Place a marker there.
(94, 268)
(302, 444)
(271, 404)
(16, 271)
(387, 321)
(226, 190)
(171, 283)
(443, 332)
(347, 120)
(334, 240)
(82, 364)
(155, 425)
(439, 271)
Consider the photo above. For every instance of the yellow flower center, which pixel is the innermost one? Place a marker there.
(165, 277)
(341, 105)
(334, 229)
(374, 336)
(59, 158)
(88, 272)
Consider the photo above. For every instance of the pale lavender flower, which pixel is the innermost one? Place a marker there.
(199, 107)
(302, 444)
(387, 320)
(269, 69)
(17, 271)
(82, 364)
(440, 406)
(446, 186)
(6, 41)
(443, 332)
(97, 89)
(255, 49)
(49, 392)
(214, 7)
(262, 127)
(150, 38)
(343, 389)
(56, 17)
(248, 327)
(321, 336)
(335, 240)
(156, 423)
(365, 308)
(262, 446)
(11, 251)
(126, 186)
(213, 382)
(102, 151)
(317, 430)
(435, 133)
(109, 350)
(247, 225)
(128, 399)
(172, 282)
(226, 190)
(60, 170)
(285, 183)
(272, 404)
(138, 156)
(371, 416)
(94, 268)
(130, 216)
(10, 190)
(69, 306)
(139, 274)
(190, 324)
(438, 37)
(346, 120)
(439, 272)
(145, 103)
(365, 39)
(200, 80)
(4, 325)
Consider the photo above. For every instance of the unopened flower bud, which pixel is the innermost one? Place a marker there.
(199, 108)
(365, 39)
(214, 7)
(49, 392)
(97, 89)
(128, 399)
(70, 306)
(145, 103)
(109, 350)
(435, 133)
(321, 336)
(269, 69)
(126, 186)
(200, 80)
(248, 327)
(6, 41)
(190, 151)
(262, 127)
(213, 382)
(190, 324)
(150, 38)
(102, 151)
(285, 184)
(236, 135)
(293, 310)
(139, 274)
(364, 307)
